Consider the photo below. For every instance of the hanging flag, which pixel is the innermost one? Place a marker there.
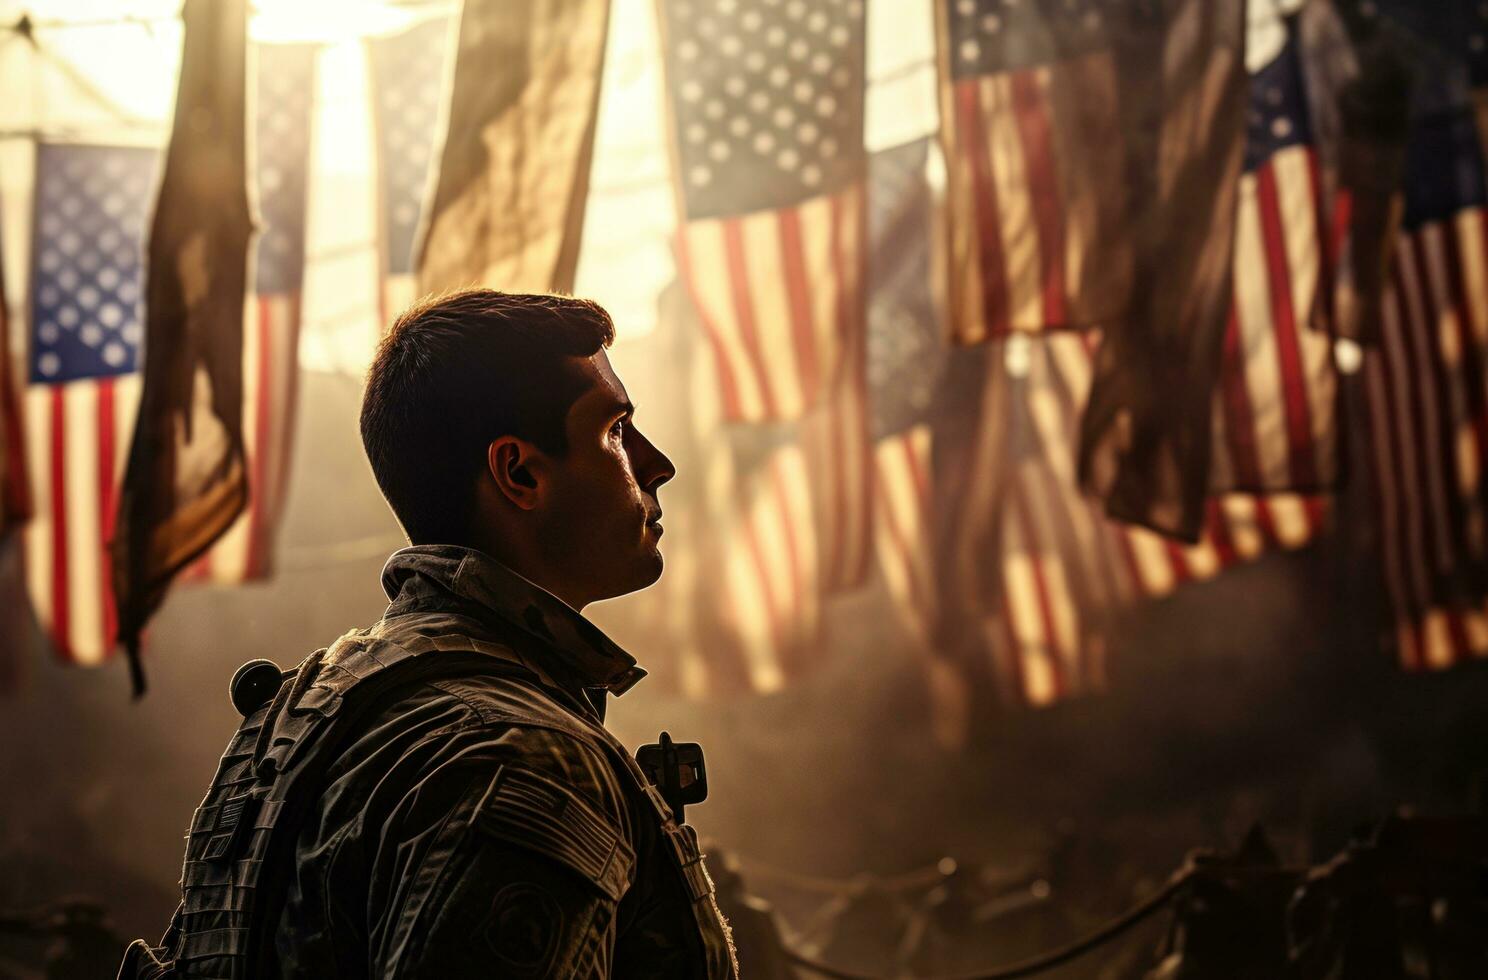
(1427, 390)
(285, 81)
(1275, 422)
(407, 82)
(508, 206)
(187, 479)
(766, 112)
(1145, 442)
(1031, 131)
(769, 523)
(1063, 568)
(87, 258)
(15, 489)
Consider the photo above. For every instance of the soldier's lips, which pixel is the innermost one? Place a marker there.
(654, 524)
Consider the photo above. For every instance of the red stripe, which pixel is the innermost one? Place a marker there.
(803, 328)
(1217, 528)
(1343, 211)
(107, 491)
(1032, 115)
(984, 202)
(1239, 419)
(1457, 630)
(1266, 523)
(1178, 559)
(1302, 465)
(732, 404)
(743, 297)
(1316, 510)
(61, 611)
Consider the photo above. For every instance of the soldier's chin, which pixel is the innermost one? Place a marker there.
(651, 568)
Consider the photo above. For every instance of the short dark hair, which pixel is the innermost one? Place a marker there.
(456, 372)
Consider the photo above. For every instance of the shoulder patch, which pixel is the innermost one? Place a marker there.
(547, 818)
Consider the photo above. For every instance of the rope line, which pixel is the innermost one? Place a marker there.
(1037, 964)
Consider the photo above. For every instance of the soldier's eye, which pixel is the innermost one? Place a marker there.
(618, 428)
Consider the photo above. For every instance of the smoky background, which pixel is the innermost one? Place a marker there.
(1260, 697)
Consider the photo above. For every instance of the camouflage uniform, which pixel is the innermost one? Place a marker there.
(489, 825)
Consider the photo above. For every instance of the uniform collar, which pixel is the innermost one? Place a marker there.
(478, 579)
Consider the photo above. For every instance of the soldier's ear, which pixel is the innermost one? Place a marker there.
(514, 466)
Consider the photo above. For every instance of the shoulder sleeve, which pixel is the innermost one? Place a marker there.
(508, 859)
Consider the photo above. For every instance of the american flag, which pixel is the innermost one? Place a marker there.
(766, 103)
(271, 328)
(407, 77)
(1275, 410)
(790, 518)
(83, 364)
(1428, 407)
(1063, 567)
(1031, 132)
(770, 523)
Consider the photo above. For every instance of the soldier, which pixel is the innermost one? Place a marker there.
(436, 795)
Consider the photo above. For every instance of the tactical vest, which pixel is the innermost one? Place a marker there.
(239, 851)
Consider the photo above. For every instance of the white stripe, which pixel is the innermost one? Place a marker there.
(85, 554)
(1470, 229)
(37, 401)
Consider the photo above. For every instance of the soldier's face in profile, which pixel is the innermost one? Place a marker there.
(601, 519)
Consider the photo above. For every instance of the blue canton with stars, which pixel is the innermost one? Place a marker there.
(87, 276)
(988, 37)
(286, 75)
(767, 101)
(1277, 117)
(407, 80)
